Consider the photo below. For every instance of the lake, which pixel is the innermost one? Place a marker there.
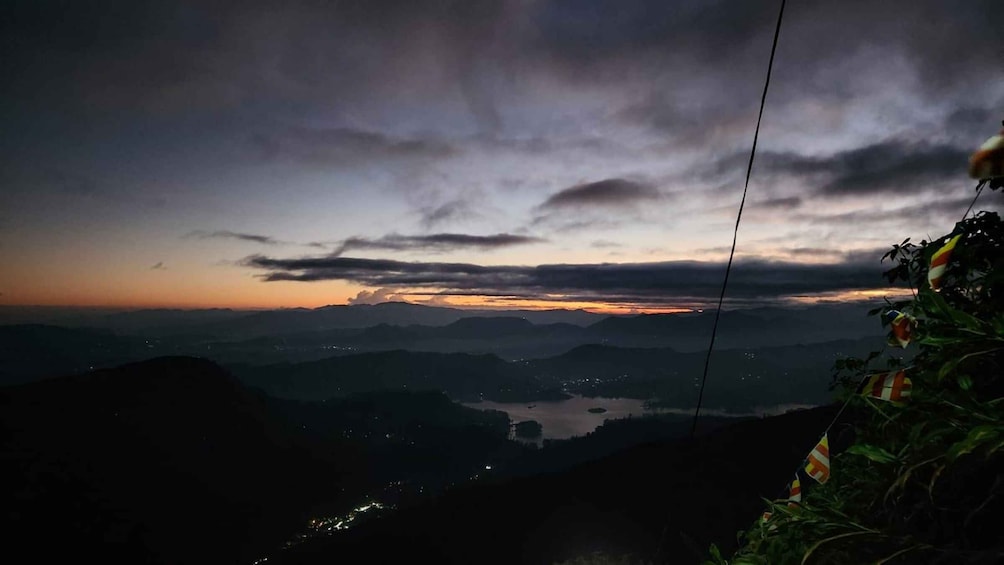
(568, 418)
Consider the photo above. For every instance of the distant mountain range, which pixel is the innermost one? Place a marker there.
(817, 322)
(764, 357)
(172, 460)
(238, 324)
(29, 351)
(739, 380)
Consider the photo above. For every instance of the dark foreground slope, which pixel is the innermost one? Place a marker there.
(165, 461)
(688, 494)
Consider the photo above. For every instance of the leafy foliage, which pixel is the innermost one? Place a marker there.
(923, 481)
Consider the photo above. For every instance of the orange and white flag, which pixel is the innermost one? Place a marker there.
(939, 262)
(902, 327)
(891, 386)
(988, 161)
(795, 492)
(818, 463)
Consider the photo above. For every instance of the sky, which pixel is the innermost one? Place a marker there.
(498, 153)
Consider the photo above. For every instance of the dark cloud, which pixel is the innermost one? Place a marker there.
(576, 224)
(249, 55)
(600, 205)
(862, 257)
(438, 242)
(973, 121)
(591, 33)
(780, 203)
(452, 211)
(480, 100)
(944, 211)
(159, 266)
(345, 146)
(812, 252)
(818, 74)
(971, 27)
(329, 53)
(227, 234)
(607, 193)
(628, 282)
(892, 166)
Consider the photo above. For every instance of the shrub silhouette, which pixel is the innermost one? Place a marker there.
(922, 481)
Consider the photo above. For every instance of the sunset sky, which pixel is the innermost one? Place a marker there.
(570, 153)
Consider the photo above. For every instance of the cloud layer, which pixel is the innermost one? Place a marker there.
(566, 131)
(607, 193)
(649, 283)
(227, 234)
(439, 242)
(888, 166)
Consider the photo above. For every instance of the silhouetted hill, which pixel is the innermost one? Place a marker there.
(474, 328)
(151, 322)
(602, 361)
(649, 324)
(298, 320)
(419, 439)
(514, 338)
(243, 324)
(462, 376)
(165, 461)
(758, 327)
(508, 337)
(685, 493)
(30, 351)
(738, 379)
(298, 335)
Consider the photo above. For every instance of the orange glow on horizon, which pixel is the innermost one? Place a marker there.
(854, 295)
(468, 303)
(324, 297)
(510, 303)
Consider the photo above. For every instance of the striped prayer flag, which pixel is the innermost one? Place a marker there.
(902, 327)
(818, 464)
(794, 492)
(988, 161)
(939, 262)
(891, 386)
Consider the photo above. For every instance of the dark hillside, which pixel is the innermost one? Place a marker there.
(165, 461)
(700, 492)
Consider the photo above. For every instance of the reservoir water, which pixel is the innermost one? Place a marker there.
(568, 418)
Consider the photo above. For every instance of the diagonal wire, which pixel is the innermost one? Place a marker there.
(735, 234)
(979, 191)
